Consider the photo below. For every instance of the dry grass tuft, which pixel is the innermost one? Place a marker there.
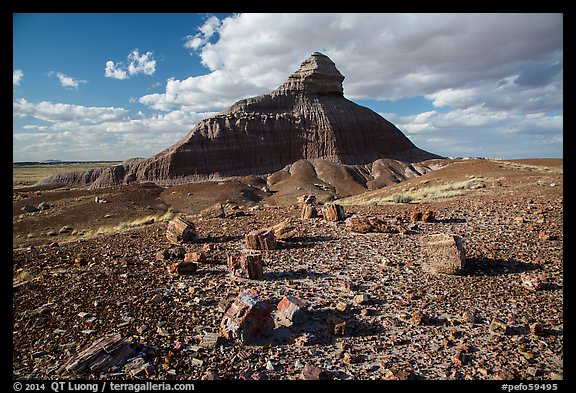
(123, 226)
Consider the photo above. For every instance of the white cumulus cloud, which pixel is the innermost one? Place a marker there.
(138, 64)
(66, 81)
(476, 131)
(382, 56)
(141, 64)
(112, 71)
(206, 31)
(76, 132)
(17, 76)
(210, 92)
(63, 113)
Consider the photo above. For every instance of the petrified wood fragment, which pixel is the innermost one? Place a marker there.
(443, 253)
(248, 318)
(181, 230)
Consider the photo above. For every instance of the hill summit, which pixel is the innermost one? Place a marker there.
(305, 118)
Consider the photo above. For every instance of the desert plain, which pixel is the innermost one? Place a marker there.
(86, 273)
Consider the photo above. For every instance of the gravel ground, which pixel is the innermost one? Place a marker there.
(411, 324)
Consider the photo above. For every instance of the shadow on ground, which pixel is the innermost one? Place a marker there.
(303, 241)
(496, 267)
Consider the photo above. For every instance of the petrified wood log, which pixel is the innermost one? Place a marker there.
(292, 310)
(426, 215)
(104, 353)
(309, 211)
(181, 230)
(260, 239)
(246, 265)
(283, 230)
(365, 224)
(334, 212)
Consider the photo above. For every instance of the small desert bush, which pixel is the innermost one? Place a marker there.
(401, 198)
(22, 276)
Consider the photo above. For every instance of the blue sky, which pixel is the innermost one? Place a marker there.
(115, 86)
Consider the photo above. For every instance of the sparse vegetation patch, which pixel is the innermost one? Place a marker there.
(532, 168)
(442, 190)
(401, 198)
(123, 226)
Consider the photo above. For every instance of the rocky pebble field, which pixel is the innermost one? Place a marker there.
(112, 307)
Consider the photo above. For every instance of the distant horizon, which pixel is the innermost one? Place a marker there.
(448, 158)
(458, 85)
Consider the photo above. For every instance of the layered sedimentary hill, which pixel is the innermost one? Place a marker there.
(306, 118)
